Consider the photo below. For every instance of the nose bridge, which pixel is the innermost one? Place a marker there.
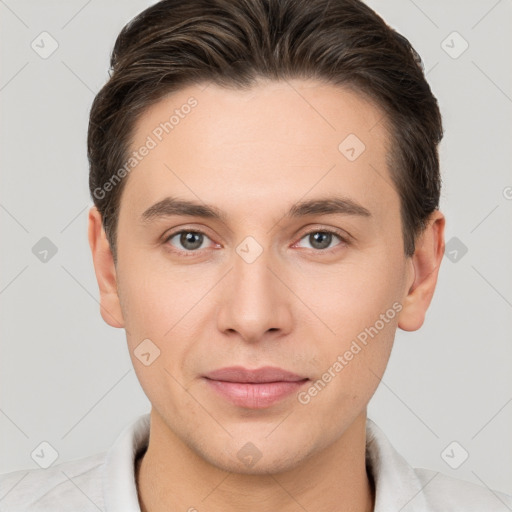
(254, 300)
(252, 280)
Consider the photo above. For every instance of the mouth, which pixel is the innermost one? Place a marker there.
(254, 389)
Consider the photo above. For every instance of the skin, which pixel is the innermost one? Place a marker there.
(254, 154)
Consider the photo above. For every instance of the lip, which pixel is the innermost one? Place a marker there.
(254, 389)
(256, 376)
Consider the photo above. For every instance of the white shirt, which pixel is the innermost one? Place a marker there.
(106, 482)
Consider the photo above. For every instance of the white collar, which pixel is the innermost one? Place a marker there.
(396, 482)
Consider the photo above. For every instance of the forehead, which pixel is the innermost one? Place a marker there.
(274, 142)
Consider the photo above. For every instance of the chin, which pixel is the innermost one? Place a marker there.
(258, 458)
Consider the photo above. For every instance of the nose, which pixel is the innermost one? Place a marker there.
(254, 305)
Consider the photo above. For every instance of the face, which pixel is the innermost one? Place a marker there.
(260, 252)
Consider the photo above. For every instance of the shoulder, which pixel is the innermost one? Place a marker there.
(100, 481)
(69, 486)
(446, 493)
(399, 486)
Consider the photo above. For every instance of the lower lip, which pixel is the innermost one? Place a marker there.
(255, 395)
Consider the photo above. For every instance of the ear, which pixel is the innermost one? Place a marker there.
(424, 266)
(110, 307)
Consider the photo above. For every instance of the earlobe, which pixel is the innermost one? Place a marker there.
(105, 270)
(425, 264)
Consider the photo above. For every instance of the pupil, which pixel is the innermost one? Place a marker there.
(320, 240)
(191, 240)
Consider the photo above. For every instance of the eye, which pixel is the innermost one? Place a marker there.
(321, 239)
(188, 241)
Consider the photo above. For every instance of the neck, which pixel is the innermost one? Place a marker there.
(170, 476)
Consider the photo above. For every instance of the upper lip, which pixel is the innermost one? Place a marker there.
(256, 376)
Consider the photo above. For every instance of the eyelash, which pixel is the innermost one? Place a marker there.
(343, 241)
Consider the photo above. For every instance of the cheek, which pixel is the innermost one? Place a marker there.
(154, 295)
(350, 296)
(158, 333)
(360, 304)
(170, 307)
(349, 364)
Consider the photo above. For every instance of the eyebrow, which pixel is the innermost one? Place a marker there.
(339, 205)
(331, 205)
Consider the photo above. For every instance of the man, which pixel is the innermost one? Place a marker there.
(266, 185)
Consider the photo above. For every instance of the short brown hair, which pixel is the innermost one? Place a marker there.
(232, 43)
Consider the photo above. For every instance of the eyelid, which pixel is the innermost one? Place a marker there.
(171, 233)
(184, 229)
(345, 239)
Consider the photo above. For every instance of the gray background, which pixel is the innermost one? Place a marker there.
(66, 377)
